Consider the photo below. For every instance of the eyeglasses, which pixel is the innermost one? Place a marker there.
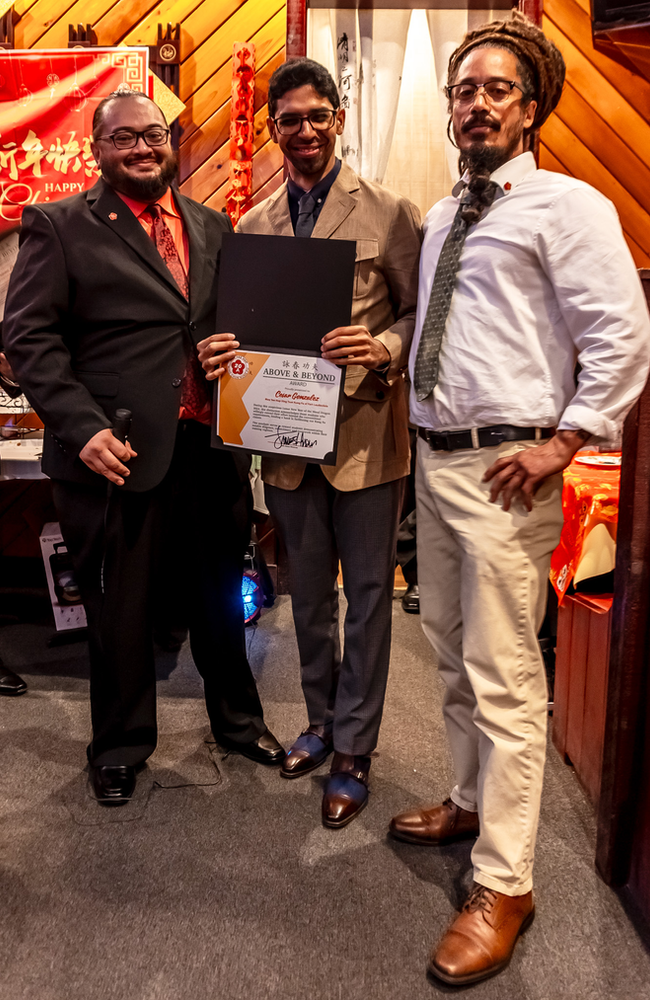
(496, 91)
(126, 138)
(319, 120)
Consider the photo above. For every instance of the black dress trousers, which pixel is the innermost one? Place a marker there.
(196, 525)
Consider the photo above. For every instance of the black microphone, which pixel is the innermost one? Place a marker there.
(122, 424)
(121, 428)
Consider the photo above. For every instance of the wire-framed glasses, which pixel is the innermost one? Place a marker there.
(496, 91)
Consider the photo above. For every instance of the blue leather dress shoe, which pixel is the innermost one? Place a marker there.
(307, 753)
(113, 784)
(10, 683)
(346, 792)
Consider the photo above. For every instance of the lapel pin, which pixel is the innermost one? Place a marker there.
(507, 186)
(113, 216)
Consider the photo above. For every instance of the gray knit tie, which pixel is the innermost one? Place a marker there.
(427, 360)
(305, 222)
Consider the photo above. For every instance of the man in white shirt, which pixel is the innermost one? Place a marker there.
(531, 274)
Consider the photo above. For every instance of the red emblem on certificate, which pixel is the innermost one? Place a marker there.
(238, 367)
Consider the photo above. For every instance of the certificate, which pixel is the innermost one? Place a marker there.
(280, 404)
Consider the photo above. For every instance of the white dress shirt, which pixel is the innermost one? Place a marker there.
(545, 279)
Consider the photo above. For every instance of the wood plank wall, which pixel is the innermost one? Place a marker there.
(208, 30)
(600, 132)
(601, 129)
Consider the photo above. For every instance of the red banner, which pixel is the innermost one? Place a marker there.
(47, 102)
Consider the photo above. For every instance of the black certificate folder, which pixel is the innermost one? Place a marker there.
(284, 292)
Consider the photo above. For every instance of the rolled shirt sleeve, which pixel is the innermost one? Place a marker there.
(582, 249)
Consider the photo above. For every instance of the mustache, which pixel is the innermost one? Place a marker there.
(484, 120)
(140, 158)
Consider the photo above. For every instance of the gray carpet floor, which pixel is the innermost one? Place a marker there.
(218, 882)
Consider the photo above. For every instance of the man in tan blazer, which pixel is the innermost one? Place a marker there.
(349, 511)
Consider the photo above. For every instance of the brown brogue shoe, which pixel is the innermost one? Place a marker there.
(346, 792)
(307, 753)
(481, 940)
(441, 824)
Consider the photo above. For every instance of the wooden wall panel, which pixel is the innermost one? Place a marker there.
(601, 129)
(209, 28)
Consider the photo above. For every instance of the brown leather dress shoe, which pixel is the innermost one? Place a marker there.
(346, 792)
(435, 824)
(481, 940)
(308, 752)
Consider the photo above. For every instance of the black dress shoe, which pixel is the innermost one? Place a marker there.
(411, 600)
(10, 683)
(307, 753)
(346, 792)
(264, 750)
(113, 784)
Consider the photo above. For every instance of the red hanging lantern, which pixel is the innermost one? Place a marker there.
(242, 111)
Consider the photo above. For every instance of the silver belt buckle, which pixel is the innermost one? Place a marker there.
(474, 435)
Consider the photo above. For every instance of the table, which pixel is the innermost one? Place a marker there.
(20, 458)
(587, 546)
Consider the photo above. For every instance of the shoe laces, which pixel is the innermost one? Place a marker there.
(480, 898)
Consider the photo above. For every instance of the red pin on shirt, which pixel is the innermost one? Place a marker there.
(507, 186)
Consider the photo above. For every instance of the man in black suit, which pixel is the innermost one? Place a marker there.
(110, 294)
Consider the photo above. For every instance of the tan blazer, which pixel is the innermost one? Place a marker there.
(373, 439)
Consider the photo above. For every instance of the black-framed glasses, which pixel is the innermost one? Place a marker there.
(496, 91)
(126, 138)
(320, 120)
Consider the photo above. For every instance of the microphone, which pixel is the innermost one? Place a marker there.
(122, 424)
(121, 428)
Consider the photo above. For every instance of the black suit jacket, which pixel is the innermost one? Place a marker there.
(94, 321)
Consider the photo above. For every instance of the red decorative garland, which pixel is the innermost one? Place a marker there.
(242, 110)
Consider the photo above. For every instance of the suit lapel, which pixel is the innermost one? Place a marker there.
(278, 214)
(106, 205)
(196, 238)
(338, 204)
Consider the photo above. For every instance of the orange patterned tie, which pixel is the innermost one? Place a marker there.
(195, 398)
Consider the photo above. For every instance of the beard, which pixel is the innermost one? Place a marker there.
(481, 157)
(147, 189)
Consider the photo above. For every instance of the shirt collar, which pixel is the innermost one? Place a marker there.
(320, 190)
(507, 176)
(166, 202)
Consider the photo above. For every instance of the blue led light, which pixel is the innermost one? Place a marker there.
(252, 596)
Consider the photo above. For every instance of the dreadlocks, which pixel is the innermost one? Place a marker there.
(541, 68)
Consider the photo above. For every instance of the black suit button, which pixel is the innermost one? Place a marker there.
(380, 394)
(192, 326)
(176, 382)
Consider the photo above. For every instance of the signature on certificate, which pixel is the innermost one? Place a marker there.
(297, 440)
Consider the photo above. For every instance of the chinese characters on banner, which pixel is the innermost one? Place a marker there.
(47, 102)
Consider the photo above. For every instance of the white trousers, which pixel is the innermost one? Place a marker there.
(483, 577)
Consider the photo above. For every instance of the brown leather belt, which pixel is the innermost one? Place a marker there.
(482, 437)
